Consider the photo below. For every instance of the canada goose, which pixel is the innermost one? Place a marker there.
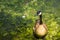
(40, 29)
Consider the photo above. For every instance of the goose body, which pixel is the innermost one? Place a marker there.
(41, 30)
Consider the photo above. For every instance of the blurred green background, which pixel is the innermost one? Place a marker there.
(13, 25)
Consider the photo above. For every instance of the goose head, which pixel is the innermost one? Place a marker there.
(39, 13)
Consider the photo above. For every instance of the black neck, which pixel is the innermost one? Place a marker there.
(40, 18)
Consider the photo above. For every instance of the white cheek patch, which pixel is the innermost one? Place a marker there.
(39, 13)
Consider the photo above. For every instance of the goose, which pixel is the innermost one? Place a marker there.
(40, 29)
